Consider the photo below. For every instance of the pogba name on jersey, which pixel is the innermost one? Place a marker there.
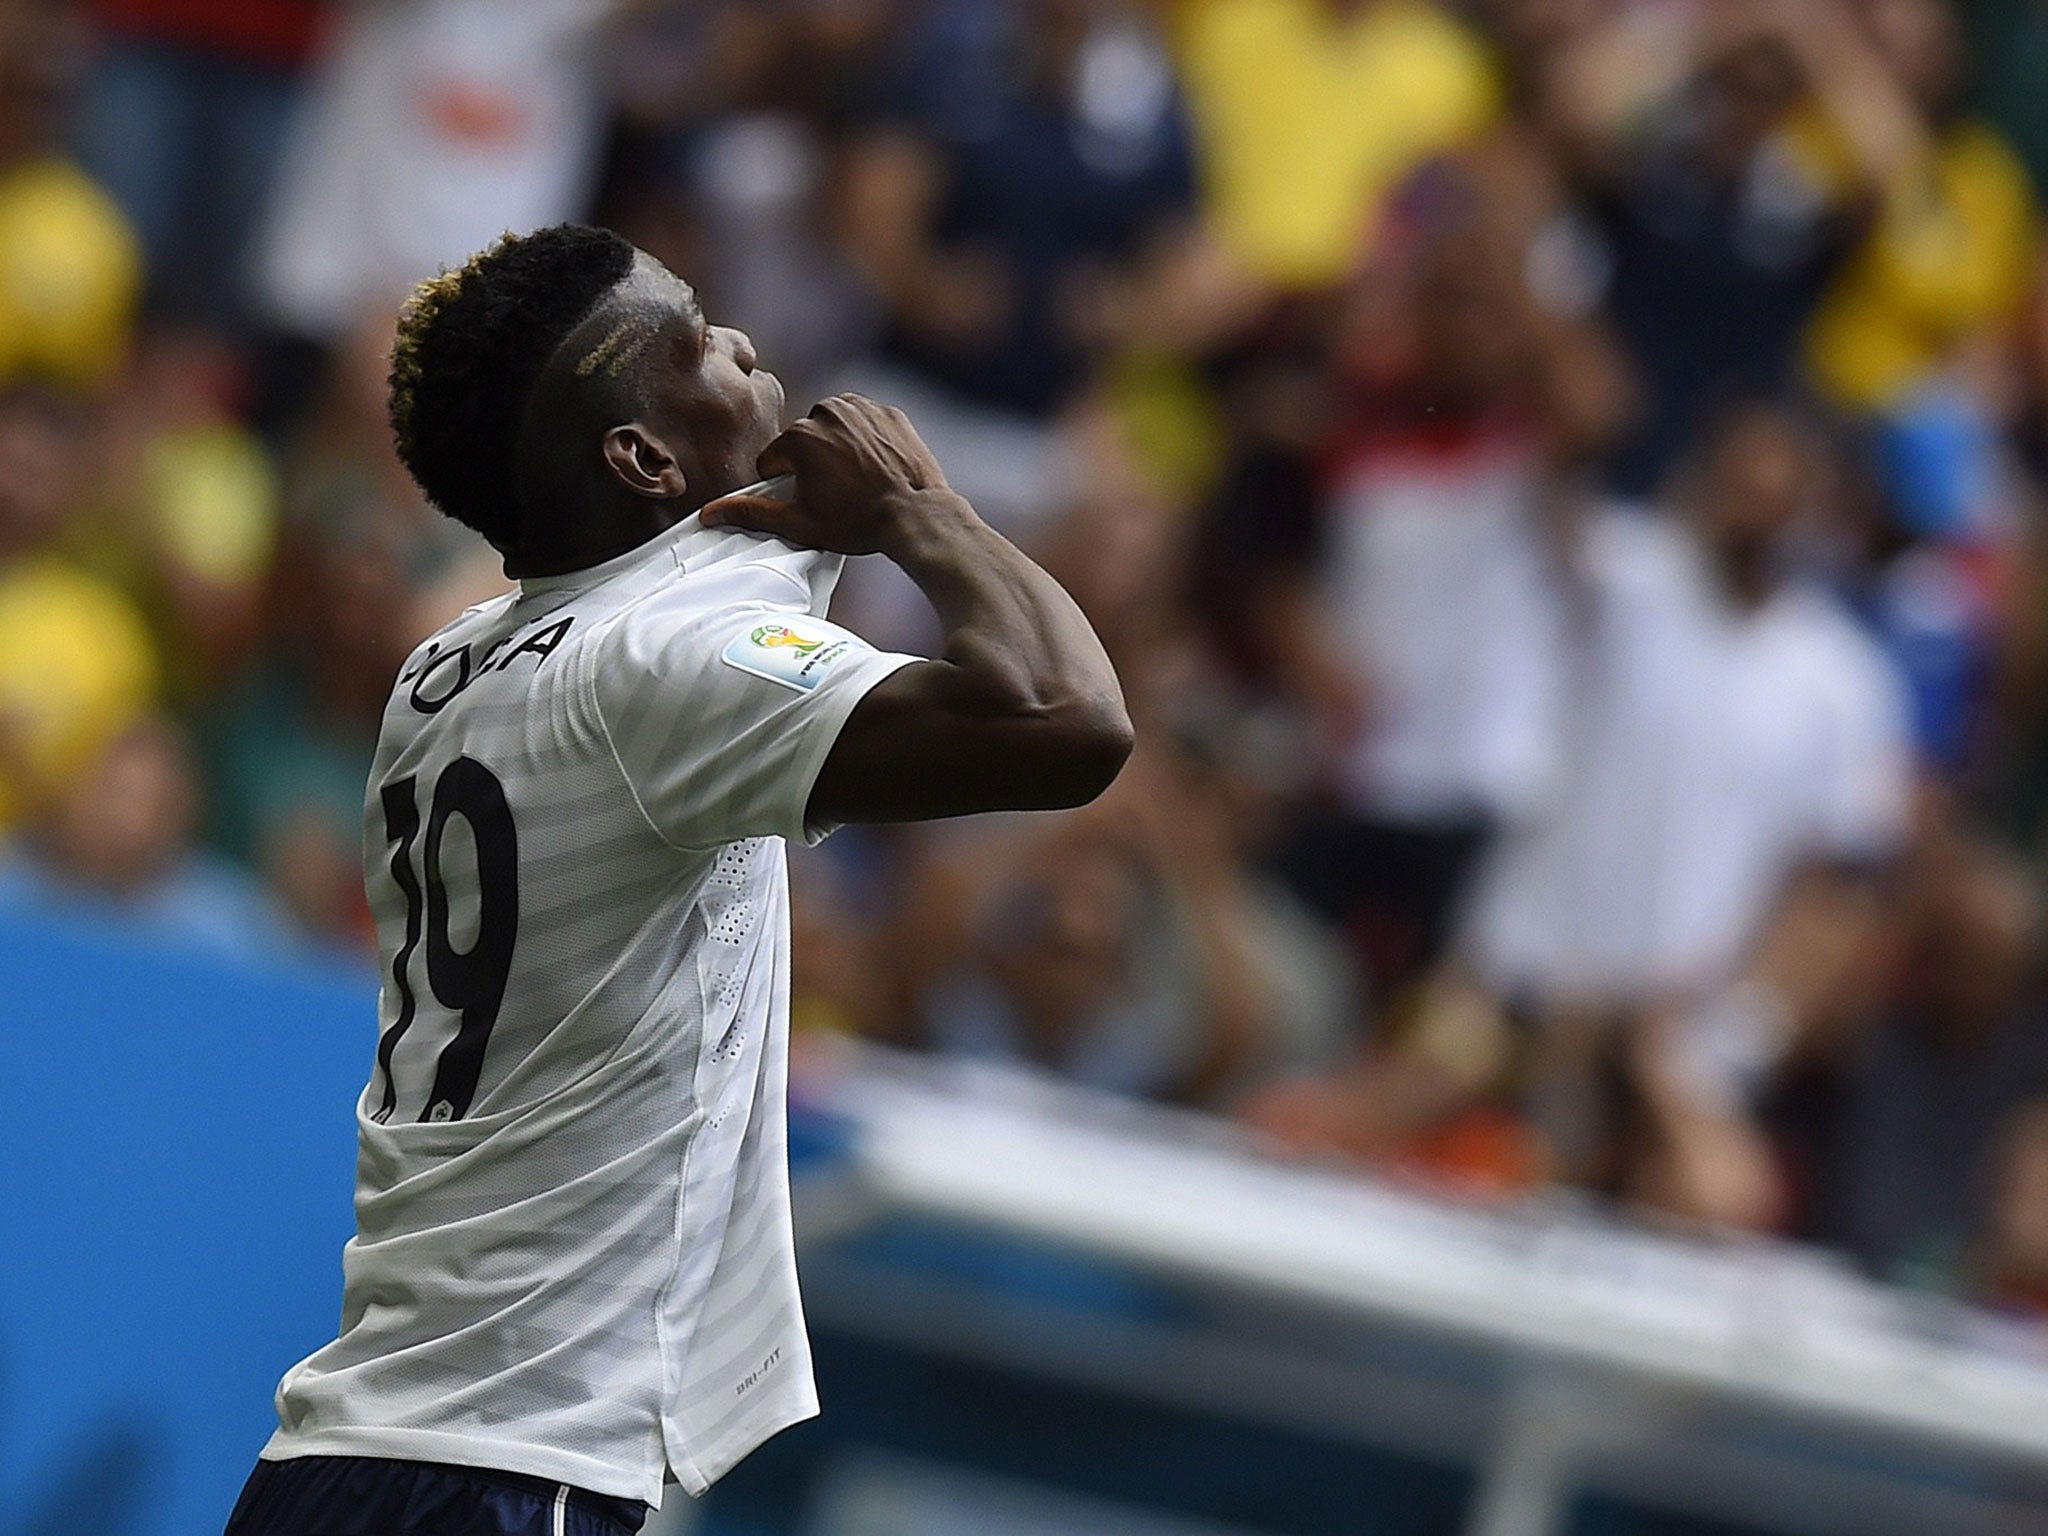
(441, 675)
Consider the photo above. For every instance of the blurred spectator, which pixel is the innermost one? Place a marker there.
(1124, 948)
(1915, 341)
(116, 842)
(1737, 776)
(1947, 610)
(1028, 170)
(724, 165)
(1053, 977)
(76, 661)
(1950, 256)
(433, 126)
(1311, 112)
(290, 749)
(184, 113)
(1732, 155)
(70, 270)
(1695, 904)
(1908, 1181)
(185, 515)
(726, 162)
(1402, 572)
(762, 258)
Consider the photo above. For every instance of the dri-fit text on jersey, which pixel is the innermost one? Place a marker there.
(441, 675)
(773, 1360)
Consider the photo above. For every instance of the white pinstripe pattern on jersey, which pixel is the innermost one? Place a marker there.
(588, 1276)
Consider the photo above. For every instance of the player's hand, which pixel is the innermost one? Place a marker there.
(863, 478)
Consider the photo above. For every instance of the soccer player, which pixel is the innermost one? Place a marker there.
(573, 1276)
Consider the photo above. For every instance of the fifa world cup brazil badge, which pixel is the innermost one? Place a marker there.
(776, 637)
(796, 652)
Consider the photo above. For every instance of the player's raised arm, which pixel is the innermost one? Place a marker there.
(1021, 710)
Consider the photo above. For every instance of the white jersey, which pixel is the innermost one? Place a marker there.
(573, 1257)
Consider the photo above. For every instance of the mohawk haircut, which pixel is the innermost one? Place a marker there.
(471, 344)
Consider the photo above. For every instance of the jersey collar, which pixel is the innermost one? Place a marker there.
(669, 541)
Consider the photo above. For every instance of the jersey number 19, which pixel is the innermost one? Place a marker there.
(469, 983)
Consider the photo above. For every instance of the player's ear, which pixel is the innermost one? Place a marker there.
(643, 463)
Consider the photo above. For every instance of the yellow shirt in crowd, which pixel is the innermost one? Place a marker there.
(70, 275)
(1948, 259)
(76, 669)
(1310, 112)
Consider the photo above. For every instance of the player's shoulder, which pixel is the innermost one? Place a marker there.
(717, 576)
(739, 612)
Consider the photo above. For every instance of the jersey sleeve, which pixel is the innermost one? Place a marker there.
(721, 715)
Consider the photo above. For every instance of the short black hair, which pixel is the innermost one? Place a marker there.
(471, 343)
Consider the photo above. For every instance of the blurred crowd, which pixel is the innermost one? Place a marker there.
(1562, 481)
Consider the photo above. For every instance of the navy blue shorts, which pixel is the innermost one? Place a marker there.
(367, 1496)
